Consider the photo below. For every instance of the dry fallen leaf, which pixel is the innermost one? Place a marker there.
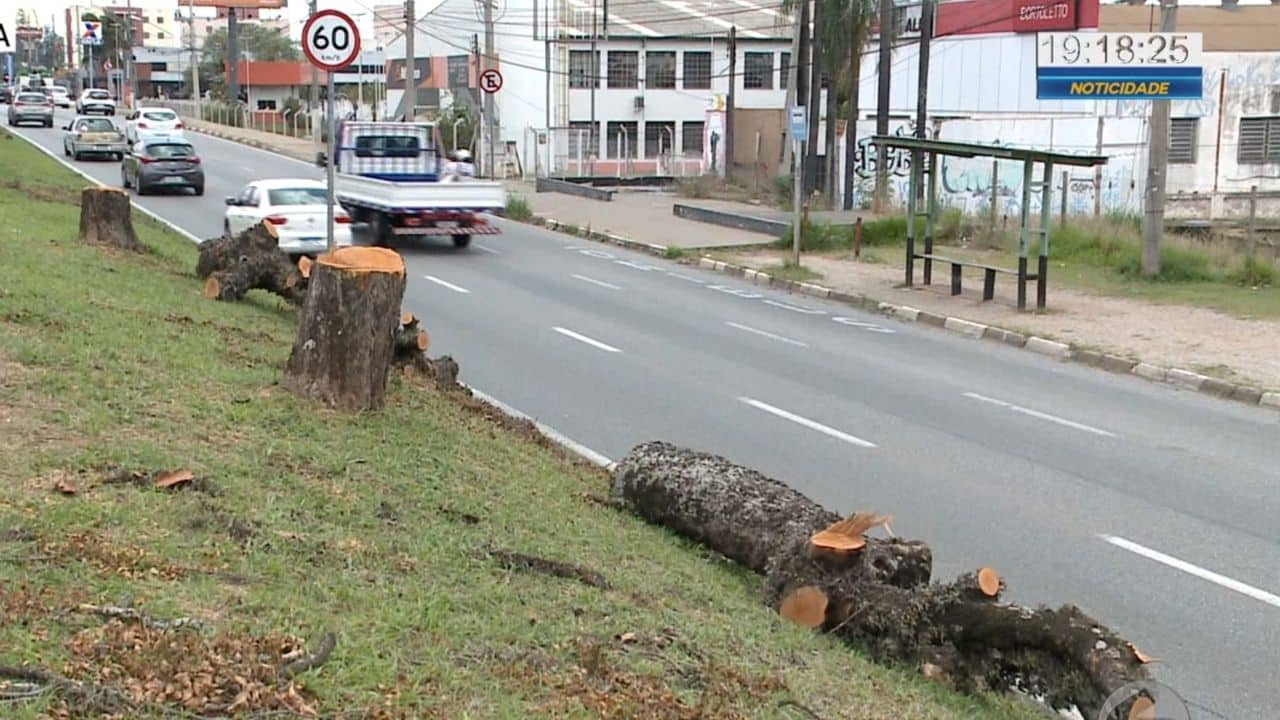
(1143, 658)
(627, 637)
(65, 487)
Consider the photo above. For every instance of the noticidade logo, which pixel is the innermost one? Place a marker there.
(1123, 89)
(1145, 700)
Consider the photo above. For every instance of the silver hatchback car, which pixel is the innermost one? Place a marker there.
(30, 107)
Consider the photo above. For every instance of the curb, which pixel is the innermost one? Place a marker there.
(1177, 377)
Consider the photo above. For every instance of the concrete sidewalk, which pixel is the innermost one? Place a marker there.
(642, 215)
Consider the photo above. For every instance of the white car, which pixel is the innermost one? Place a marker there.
(152, 122)
(61, 96)
(95, 101)
(296, 207)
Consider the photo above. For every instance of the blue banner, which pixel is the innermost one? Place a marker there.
(1146, 82)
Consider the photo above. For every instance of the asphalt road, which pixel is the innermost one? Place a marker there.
(1154, 509)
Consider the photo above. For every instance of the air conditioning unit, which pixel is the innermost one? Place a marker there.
(639, 102)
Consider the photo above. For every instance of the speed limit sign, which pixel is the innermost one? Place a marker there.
(330, 40)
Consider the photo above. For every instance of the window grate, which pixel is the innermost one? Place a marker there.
(691, 139)
(659, 134)
(660, 70)
(757, 71)
(697, 70)
(1183, 133)
(582, 74)
(624, 69)
(1259, 141)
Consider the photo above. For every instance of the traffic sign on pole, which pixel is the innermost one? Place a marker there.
(491, 81)
(8, 28)
(331, 40)
(90, 32)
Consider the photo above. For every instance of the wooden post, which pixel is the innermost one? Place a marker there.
(1252, 237)
(348, 327)
(1062, 215)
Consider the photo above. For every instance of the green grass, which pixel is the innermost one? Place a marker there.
(371, 526)
(518, 208)
(825, 237)
(675, 252)
(788, 271)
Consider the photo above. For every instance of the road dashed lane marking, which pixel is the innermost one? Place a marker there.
(766, 333)
(447, 284)
(863, 325)
(795, 308)
(1040, 415)
(584, 339)
(694, 280)
(485, 248)
(1196, 570)
(806, 422)
(593, 281)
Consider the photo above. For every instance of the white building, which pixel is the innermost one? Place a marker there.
(661, 75)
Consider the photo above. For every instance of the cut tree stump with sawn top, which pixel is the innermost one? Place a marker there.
(347, 330)
(232, 265)
(823, 572)
(106, 218)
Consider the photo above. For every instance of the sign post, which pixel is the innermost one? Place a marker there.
(331, 41)
(490, 83)
(798, 127)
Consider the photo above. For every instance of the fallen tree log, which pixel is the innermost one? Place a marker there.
(232, 265)
(823, 571)
(106, 218)
(347, 330)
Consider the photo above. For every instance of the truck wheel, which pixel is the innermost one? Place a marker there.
(461, 241)
(380, 230)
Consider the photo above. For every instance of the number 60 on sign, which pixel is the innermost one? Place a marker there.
(330, 40)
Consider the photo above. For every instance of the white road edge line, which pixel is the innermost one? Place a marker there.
(554, 435)
(765, 333)
(1040, 415)
(686, 277)
(485, 248)
(593, 281)
(584, 339)
(795, 308)
(99, 183)
(447, 284)
(1196, 570)
(811, 424)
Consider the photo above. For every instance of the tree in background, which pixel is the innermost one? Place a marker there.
(257, 42)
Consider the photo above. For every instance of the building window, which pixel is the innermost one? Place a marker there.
(580, 136)
(697, 70)
(159, 20)
(659, 135)
(757, 70)
(159, 36)
(1259, 141)
(1182, 140)
(784, 71)
(159, 67)
(624, 69)
(146, 36)
(660, 70)
(691, 139)
(266, 104)
(459, 68)
(582, 73)
(620, 139)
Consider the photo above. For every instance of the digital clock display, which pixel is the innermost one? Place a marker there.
(1111, 49)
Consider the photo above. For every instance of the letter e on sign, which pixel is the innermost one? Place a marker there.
(491, 81)
(330, 40)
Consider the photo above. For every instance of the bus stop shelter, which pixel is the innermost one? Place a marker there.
(923, 190)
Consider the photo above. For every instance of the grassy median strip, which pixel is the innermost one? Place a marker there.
(177, 531)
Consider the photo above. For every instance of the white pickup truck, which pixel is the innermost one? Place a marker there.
(391, 179)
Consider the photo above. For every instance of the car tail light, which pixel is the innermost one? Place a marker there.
(177, 126)
(147, 160)
(342, 219)
(142, 125)
(193, 160)
(276, 219)
(413, 221)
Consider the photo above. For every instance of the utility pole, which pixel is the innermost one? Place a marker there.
(1157, 163)
(593, 146)
(802, 65)
(313, 97)
(880, 199)
(922, 93)
(195, 65)
(793, 72)
(815, 103)
(410, 61)
(728, 111)
(233, 56)
(490, 116)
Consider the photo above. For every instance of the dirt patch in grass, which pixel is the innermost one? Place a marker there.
(43, 193)
(109, 557)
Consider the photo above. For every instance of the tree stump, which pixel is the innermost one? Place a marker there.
(232, 265)
(106, 218)
(347, 333)
(823, 572)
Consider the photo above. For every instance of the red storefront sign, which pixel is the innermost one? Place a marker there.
(977, 17)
